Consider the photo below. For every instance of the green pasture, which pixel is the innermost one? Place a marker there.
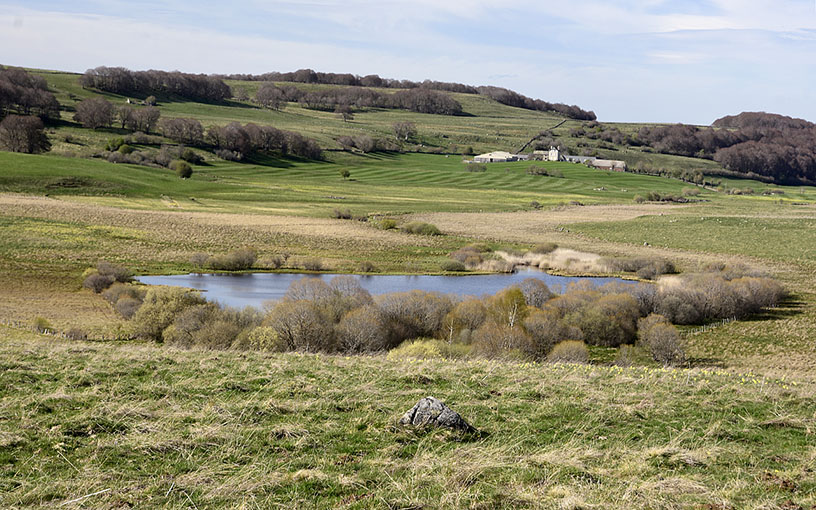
(378, 184)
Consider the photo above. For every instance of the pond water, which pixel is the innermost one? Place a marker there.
(254, 289)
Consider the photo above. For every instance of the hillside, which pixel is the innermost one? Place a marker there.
(90, 408)
(486, 124)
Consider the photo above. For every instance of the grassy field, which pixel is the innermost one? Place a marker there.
(158, 427)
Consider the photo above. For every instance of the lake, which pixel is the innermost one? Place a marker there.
(254, 289)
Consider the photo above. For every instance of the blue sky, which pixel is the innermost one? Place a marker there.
(648, 61)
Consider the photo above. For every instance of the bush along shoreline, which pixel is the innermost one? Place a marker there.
(526, 321)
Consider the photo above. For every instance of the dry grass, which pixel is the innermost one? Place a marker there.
(166, 428)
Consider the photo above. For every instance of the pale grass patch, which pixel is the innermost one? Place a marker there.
(560, 259)
(675, 456)
(675, 486)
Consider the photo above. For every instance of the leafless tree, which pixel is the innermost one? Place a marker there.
(23, 134)
(144, 119)
(94, 113)
(270, 96)
(404, 130)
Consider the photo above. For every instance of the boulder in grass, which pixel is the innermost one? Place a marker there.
(432, 412)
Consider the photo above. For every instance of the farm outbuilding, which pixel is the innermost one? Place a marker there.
(609, 164)
(495, 157)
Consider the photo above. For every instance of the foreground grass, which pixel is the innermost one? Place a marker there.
(176, 429)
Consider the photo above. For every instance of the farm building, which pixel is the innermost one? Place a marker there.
(589, 160)
(495, 157)
(609, 164)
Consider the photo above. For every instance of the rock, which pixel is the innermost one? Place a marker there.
(430, 411)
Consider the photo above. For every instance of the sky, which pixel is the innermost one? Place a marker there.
(689, 61)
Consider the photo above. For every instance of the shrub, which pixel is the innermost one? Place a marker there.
(117, 272)
(421, 228)
(466, 315)
(570, 351)
(41, 325)
(535, 291)
(237, 260)
(544, 248)
(679, 306)
(118, 291)
(468, 256)
(273, 261)
(453, 266)
(626, 356)
(610, 321)
(429, 349)
(413, 314)
(639, 199)
(76, 334)
(341, 214)
(645, 265)
(366, 267)
(494, 340)
(127, 306)
(387, 224)
(191, 156)
(125, 149)
(261, 338)
(114, 143)
(476, 167)
(229, 155)
(301, 326)
(665, 345)
(362, 330)
(98, 282)
(546, 329)
(661, 339)
(182, 168)
(507, 307)
(160, 308)
(208, 326)
(199, 259)
(549, 172)
(312, 264)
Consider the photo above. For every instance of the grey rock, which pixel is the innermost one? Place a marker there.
(430, 411)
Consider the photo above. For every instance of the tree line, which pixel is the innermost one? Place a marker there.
(193, 87)
(23, 93)
(512, 98)
(761, 145)
(501, 95)
(348, 79)
(415, 100)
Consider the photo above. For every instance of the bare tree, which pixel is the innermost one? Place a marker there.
(404, 130)
(144, 119)
(270, 96)
(94, 113)
(183, 130)
(124, 115)
(344, 111)
(23, 134)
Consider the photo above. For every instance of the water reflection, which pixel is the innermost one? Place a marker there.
(254, 289)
